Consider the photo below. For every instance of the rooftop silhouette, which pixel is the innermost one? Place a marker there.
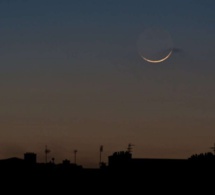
(188, 173)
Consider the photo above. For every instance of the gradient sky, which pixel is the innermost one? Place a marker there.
(71, 78)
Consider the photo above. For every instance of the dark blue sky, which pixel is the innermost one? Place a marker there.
(71, 78)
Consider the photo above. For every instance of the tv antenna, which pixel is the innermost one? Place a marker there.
(100, 154)
(129, 149)
(213, 148)
(46, 153)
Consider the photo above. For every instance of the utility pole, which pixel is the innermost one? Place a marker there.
(75, 151)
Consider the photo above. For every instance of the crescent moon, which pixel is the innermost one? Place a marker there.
(158, 61)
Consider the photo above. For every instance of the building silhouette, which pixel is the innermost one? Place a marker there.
(30, 158)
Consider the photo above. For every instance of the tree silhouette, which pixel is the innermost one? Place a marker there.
(202, 156)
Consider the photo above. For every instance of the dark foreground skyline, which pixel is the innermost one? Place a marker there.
(122, 174)
(32, 158)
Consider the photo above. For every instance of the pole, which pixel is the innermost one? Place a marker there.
(46, 154)
(213, 148)
(75, 151)
(100, 155)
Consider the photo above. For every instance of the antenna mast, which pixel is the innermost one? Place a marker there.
(75, 151)
(46, 153)
(100, 154)
(129, 149)
(213, 148)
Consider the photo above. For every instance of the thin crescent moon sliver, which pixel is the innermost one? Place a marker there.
(158, 61)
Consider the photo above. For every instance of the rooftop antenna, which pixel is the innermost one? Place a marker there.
(129, 149)
(46, 153)
(100, 154)
(75, 151)
(213, 148)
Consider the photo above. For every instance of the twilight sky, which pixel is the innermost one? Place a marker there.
(72, 78)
